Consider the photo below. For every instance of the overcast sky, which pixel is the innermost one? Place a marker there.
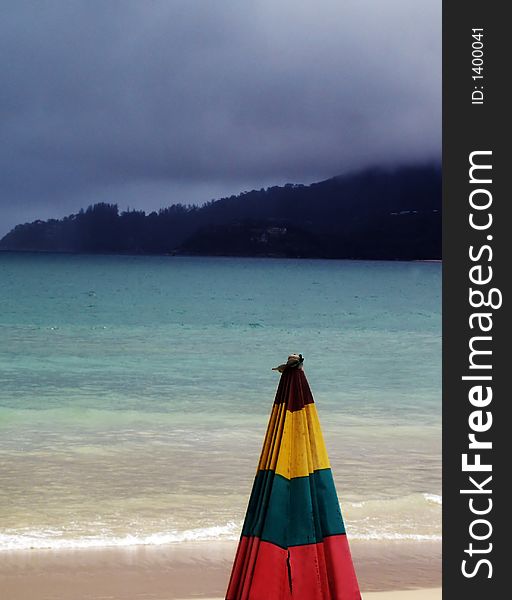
(149, 102)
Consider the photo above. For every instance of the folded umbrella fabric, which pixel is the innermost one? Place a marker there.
(293, 544)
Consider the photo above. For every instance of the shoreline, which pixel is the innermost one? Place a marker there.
(419, 594)
(248, 256)
(199, 570)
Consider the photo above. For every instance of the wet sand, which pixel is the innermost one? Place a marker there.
(198, 570)
(426, 594)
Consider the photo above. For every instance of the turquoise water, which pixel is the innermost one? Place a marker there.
(135, 392)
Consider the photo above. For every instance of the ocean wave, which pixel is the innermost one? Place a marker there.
(411, 517)
(229, 532)
(414, 517)
(55, 540)
(383, 536)
(405, 504)
(435, 498)
(418, 499)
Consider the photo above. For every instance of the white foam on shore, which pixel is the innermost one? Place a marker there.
(56, 540)
(227, 533)
(435, 498)
(230, 532)
(381, 536)
(390, 519)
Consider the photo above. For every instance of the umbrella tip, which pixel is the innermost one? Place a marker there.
(294, 361)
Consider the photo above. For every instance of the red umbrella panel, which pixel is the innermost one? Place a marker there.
(293, 544)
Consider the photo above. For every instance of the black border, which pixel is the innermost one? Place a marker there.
(468, 127)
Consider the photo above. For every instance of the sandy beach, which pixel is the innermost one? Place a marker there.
(198, 570)
(425, 594)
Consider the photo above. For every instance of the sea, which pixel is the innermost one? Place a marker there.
(135, 393)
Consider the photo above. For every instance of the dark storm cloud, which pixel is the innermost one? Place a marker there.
(149, 102)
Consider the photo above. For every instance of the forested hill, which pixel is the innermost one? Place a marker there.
(374, 214)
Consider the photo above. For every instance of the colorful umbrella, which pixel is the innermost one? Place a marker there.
(293, 544)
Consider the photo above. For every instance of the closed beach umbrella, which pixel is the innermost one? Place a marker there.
(293, 544)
